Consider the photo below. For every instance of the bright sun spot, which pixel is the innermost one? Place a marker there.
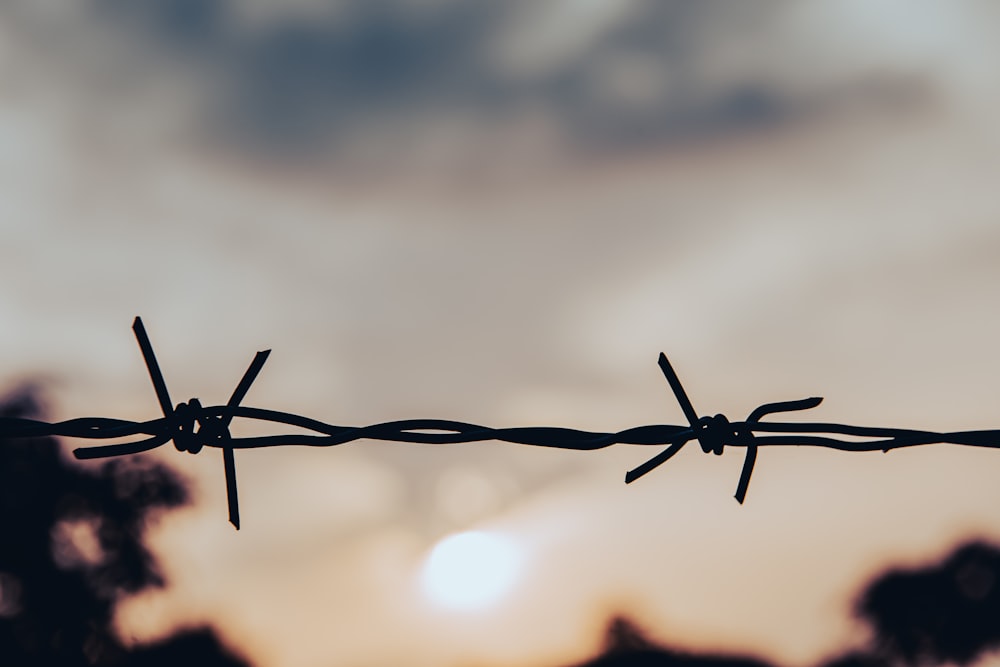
(470, 570)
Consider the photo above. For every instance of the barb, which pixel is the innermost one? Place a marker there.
(228, 457)
(192, 427)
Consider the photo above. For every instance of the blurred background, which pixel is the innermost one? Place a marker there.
(501, 212)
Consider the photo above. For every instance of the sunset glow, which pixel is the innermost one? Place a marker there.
(467, 231)
(470, 570)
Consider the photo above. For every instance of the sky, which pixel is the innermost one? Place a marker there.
(501, 213)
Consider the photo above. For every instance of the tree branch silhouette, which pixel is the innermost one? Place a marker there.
(71, 547)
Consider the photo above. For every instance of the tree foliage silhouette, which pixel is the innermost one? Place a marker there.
(71, 547)
(949, 612)
(625, 645)
(944, 613)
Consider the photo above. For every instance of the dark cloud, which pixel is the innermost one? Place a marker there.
(306, 79)
(312, 75)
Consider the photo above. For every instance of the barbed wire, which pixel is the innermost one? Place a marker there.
(192, 427)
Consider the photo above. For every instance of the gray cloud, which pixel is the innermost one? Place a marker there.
(311, 77)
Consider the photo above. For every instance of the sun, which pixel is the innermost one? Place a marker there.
(471, 570)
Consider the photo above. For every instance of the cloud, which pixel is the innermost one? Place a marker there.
(323, 78)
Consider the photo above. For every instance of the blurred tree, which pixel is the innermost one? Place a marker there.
(70, 547)
(626, 646)
(860, 658)
(948, 612)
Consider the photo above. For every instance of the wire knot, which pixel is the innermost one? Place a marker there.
(713, 433)
(211, 430)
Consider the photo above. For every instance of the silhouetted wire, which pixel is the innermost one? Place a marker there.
(192, 426)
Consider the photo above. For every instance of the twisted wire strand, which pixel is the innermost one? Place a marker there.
(453, 432)
(191, 427)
